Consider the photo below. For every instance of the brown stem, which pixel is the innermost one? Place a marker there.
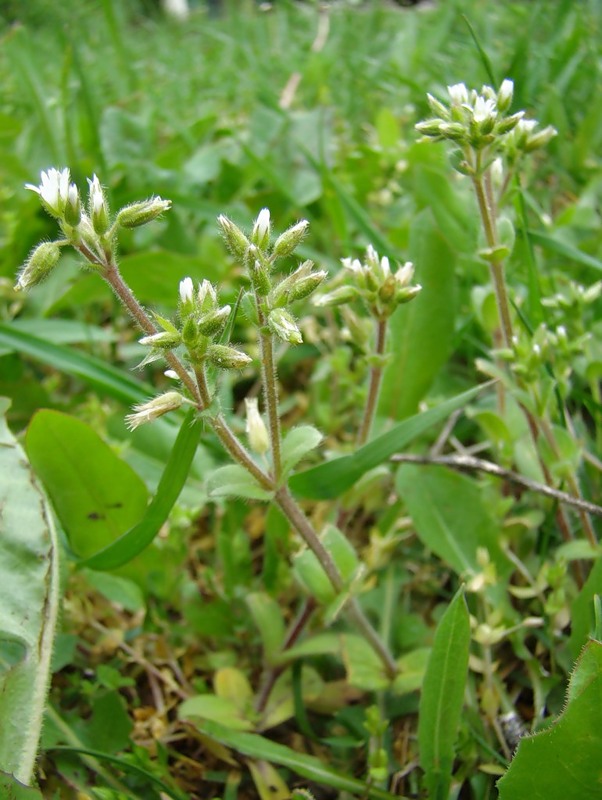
(113, 277)
(305, 529)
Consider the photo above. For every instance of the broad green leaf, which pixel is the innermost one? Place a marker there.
(421, 332)
(12, 789)
(29, 598)
(451, 517)
(412, 667)
(267, 615)
(330, 480)
(564, 760)
(309, 767)
(582, 610)
(297, 443)
(442, 697)
(207, 707)
(96, 495)
(131, 543)
(235, 481)
(365, 669)
(92, 370)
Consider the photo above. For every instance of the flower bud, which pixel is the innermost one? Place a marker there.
(236, 242)
(260, 278)
(212, 323)
(430, 127)
(137, 214)
(207, 296)
(98, 208)
(509, 123)
(504, 95)
(437, 107)
(458, 94)
(42, 260)
(221, 355)
(284, 326)
(147, 412)
(260, 235)
(338, 297)
(73, 207)
(186, 292)
(163, 340)
(190, 332)
(290, 239)
(540, 139)
(257, 432)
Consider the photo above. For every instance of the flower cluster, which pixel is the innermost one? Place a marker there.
(87, 229)
(374, 282)
(201, 321)
(479, 120)
(268, 304)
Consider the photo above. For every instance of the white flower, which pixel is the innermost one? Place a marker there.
(97, 197)
(53, 189)
(206, 295)
(172, 374)
(483, 109)
(353, 264)
(186, 290)
(404, 274)
(257, 432)
(458, 94)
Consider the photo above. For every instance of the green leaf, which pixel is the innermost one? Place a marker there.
(11, 789)
(331, 479)
(442, 697)
(297, 443)
(235, 481)
(29, 597)
(564, 760)
(421, 332)
(309, 767)
(96, 495)
(267, 615)
(174, 476)
(582, 609)
(207, 707)
(451, 517)
(94, 371)
(412, 667)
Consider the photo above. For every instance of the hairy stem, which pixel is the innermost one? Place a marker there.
(354, 611)
(496, 267)
(376, 374)
(113, 277)
(269, 378)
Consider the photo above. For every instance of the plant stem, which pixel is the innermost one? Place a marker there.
(228, 438)
(113, 277)
(376, 374)
(496, 267)
(269, 378)
(232, 445)
(305, 529)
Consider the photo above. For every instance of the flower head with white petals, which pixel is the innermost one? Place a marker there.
(53, 190)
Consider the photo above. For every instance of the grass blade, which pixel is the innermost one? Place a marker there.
(331, 479)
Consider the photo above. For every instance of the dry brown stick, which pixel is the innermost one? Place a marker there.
(462, 462)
